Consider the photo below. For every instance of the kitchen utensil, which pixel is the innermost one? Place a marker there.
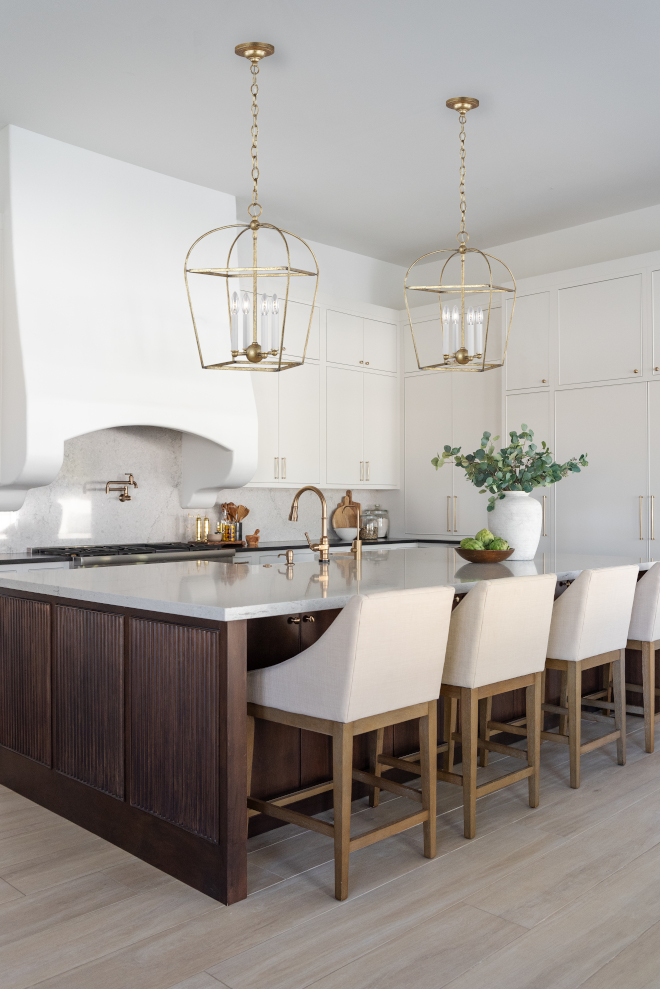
(241, 513)
(345, 514)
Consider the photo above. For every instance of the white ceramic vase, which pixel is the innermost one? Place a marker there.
(517, 518)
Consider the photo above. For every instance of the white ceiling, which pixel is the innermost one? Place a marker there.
(357, 149)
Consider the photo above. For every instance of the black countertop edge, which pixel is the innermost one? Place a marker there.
(8, 558)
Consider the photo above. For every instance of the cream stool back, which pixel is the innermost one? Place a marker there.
(644, 635)
(379, 663)
(589, 628)
(498, 638)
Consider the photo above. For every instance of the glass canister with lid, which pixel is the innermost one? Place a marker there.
(375, 523)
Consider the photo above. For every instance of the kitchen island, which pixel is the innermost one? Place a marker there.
(123, 692)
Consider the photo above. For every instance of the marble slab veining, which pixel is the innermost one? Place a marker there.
(227, 591)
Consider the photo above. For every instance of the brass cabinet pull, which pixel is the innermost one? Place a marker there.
(293, 621)
(652, 519)
(361, 362)
(448, 519)
(455, 501)
(284, 468)
(309, 618)
(635, 371)
(362, 470)
(641, 500)
(368, 475)
(544, 532)
(276, 469)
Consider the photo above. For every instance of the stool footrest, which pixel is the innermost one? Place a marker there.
(386, 784)
(499, 727)
(290, 816)
(387, 830)
(637, 687)
(502, 781)
(502, 749)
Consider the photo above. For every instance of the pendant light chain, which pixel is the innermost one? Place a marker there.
(463, 236)
(254, 130)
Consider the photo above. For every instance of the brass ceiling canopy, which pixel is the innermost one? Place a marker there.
(464, 340)
(244, 328)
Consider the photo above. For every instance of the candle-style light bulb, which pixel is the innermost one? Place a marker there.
(246, 320)
(233, 311)
(275, 324)
(457, 329)
(480, 331)
(264, 323)
(469, 332)
(445, 331)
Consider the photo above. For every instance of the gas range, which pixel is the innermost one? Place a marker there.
(123, 554)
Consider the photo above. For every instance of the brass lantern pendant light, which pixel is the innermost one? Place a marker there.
(466, 341)
(243, 326)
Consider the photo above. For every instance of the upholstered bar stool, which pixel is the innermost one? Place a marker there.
(590, 623)
(644, 636)
(379, 663)
(498, 640)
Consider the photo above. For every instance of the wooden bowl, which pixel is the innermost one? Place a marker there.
(484, 555)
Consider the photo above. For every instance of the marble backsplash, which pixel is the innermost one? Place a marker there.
(75, 509)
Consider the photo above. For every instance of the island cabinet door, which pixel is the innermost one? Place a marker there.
(603, 508)
(25, 678)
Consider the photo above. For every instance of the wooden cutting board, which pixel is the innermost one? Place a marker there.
(345, 514)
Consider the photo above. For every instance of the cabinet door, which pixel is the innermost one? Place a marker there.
(428, 338)
(381, 429)
(344, 426)
(476, 407)
(344, 338)
(600, 330)
(299, 424)
(527, 354)
(653, 513)
(428, 493)
(297, 323)
(655, 282)
(597, 510)
(380, 345)
(265, 395)
(533, 409)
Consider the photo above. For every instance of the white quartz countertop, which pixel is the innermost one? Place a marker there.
(227, 591)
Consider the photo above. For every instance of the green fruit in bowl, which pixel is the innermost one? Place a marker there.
(485, 536)
(471, 544)
(499, 544)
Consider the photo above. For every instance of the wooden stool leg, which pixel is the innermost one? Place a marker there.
(375, 749)
(342, 772)
(574, 678)
(543, 679)
(469, 735)
(607, 685)
(563, 702)
(533, 713)
(485, 715)
(619, 684)
(428, 744)
(648, 684)
(250, 754)
(449, 727)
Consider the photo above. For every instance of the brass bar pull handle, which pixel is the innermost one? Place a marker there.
(309, 618)
(293, 621)
(284, 468)
(455, 506)
(276, 469)
(362, 470)
(368, 475)
(448, 519)
(544, 532)
(641, 501)
(652, 516)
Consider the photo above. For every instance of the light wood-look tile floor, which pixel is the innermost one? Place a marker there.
(566, 895)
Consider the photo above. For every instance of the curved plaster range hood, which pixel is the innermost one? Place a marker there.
(95, 322)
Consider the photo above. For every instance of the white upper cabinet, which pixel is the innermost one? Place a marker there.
(361, 342)
(533, 409)
(381, 429)
(655, 283)
(527, 364)
(600, 330)
(297, 322)
(289, 424)
(428, 338)
(476, 408)
(380, 345)
(344, 339)
(344, 427)
(299, 424)
(428, 426)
